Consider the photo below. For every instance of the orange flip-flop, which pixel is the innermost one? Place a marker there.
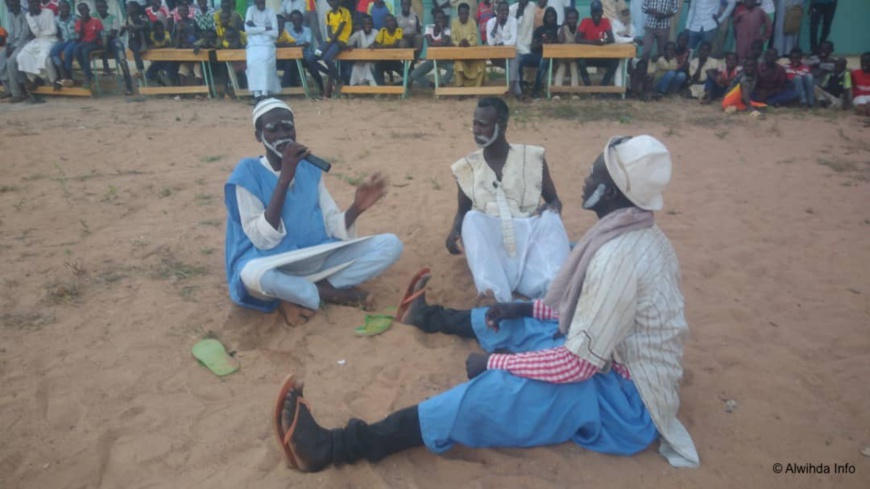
(410, 296)
(284, 438)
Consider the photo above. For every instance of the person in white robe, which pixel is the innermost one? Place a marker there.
(261, 26)
(33, 58)
(362, 72)
(287, 243)
(512, 241)
(619, 15)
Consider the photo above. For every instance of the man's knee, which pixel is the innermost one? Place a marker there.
(388, 246)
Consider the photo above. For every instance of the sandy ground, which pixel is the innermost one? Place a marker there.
(112, 222)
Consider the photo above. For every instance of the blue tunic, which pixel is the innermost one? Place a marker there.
(301, 214)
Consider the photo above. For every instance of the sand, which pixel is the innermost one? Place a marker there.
(112, 222)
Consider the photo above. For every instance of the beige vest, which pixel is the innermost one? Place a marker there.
(520, 181)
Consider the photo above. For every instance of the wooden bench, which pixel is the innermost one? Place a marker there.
(405, 55)
(228, 56)
(577, 51)
(507, 53)
(177, 56)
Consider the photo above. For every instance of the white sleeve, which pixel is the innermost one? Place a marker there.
(607, 306)
(333, 218)
(252, 213)
(249, 17)
(729, 7)
(509, 38)
(490, 39)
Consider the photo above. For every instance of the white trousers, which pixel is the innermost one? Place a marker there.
(292, 276)
(542, 247)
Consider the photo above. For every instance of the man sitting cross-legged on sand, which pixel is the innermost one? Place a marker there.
(286, 239)
(511, 240)
(598, 362)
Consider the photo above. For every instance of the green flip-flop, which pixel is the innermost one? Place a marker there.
(212, 355)
(375, 324)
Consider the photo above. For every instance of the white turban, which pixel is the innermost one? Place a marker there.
(267, 105)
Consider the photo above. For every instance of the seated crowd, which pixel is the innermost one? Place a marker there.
(51, 36)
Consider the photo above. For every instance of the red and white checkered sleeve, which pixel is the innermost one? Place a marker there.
(543, 312)
(555, 365)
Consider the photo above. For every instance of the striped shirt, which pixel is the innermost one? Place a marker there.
(629, 316)
(664, 6)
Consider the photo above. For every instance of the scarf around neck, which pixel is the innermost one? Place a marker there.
(564, 291)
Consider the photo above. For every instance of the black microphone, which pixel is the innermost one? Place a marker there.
(319, 163)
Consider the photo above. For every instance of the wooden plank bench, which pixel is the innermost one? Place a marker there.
(405, 55)
(177, 56)
(507, 53)
(555, 52)
(228, 56)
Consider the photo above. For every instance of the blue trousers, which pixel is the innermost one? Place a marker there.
(804, 85)
(671, 82)
(83, 52)
(67, 48)
(497, 409)
(715, 90)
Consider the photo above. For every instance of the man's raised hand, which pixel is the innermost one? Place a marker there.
(292, 154)
(370, 191)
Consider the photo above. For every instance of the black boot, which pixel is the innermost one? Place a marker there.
(438, 319)
(398, 431)
(317, 448)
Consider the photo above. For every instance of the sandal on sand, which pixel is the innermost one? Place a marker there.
(212, 354)
(410, 295)
(284, 438)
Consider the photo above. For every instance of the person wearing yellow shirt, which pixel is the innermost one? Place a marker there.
(464, 32)
(338, 27)
(390, 37)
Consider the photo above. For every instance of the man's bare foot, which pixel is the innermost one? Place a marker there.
(311, 444)
(412, 315)
(293, 314)
(485, 299)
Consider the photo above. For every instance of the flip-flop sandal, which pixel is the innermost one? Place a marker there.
(410, 295)
(284, 438)
(212, 354)
(375, 324)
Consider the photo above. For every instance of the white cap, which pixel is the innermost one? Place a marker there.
(641, 167)
(267, 105)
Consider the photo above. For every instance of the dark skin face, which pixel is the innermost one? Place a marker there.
(704, 51)
(865, 63)
(225, 18)
(14, 6)
(227, 5)
(596, 16)
(731, 61)
(749, 67)
(463, 14)
(261, 4)
(296, 20)
(155, 4)
(670, 50)
(65, 10)
(825, 51)
(280, 132)
(795, 58)
(334, 4)
(550, 18)
(571, 19)
(484, 122)
(440, 20)
(34, 6)
(840, 65)
(102, 9)
(84, 12)
(612, 199)
(406, 7)
(683, 41)
(183, 11)
(390, 23)
(750, 4)
(367, 25)
(502, 12)
(203, 5)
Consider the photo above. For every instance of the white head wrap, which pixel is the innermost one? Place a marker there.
(267, 105)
